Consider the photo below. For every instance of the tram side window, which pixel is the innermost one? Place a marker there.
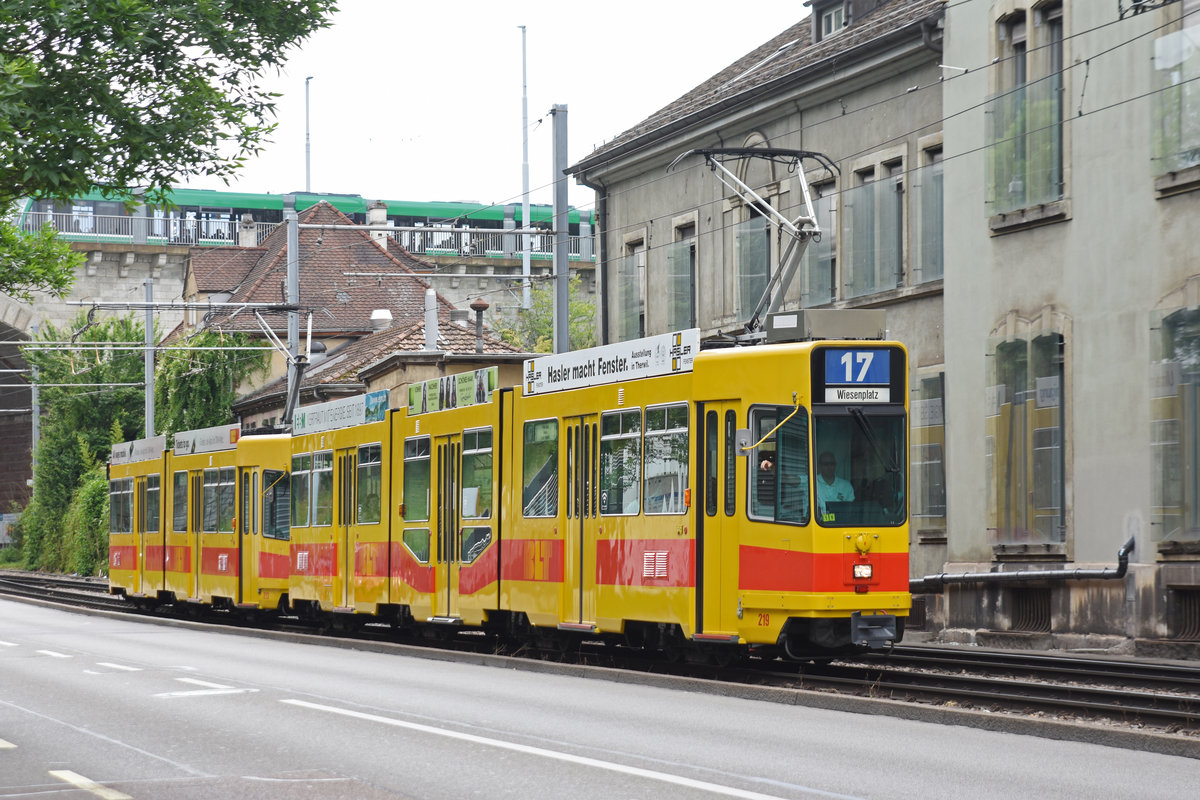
(370, 481)
(300, 479)
(620, 461)
(275, 510)
(416, 480)
(120, 505)
(540, 469)
(477, 474)
(779, 465)
(247, 502)
(219, 502)
(666, 472)
(322, 488)
(210, 501)
(730, 463)
(179, 502)
(152, 503)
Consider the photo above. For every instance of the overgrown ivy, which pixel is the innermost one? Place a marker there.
(195, 388)
(91, 393)
(93, 397)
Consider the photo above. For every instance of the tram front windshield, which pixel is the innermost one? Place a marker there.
(858, 468)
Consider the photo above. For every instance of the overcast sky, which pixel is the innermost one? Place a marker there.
(422, 101)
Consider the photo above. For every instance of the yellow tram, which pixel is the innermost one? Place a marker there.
(650, 493)
(204, 522)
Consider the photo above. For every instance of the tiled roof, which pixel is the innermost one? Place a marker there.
(221, 269)
(344, 276)
(788, 56)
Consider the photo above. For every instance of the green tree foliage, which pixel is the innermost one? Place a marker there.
(32, 262)
(125, 93)
(79, 425)
(533, 330)
(196, 388)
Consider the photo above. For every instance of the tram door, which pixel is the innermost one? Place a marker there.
(196, 523)
(248, 540)
(150, 577)
(448, 455)
(140, 578)
(583, 519)
(347, 463)
(717, 507)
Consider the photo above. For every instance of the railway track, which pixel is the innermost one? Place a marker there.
(1149, 695)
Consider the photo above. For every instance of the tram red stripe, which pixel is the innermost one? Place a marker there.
(122, 557)
(154, 557)
(480, 574)
(532, 560)
(768, 569)
(273, 565)
(406, 568)
(179, 558)
(219, 561)
(371, 560)
(646, 562)
(314, 559)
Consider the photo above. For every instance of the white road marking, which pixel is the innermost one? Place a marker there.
(124, 667)
(210, 689)
(205, 684)
(7, 745)
(88, 785)
(53, 654)
(664, 777)
(8, 644)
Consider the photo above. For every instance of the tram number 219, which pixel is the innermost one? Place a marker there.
(764, 620)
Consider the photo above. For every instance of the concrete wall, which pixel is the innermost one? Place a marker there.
(1117, 251)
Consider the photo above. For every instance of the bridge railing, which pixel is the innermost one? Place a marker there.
(420, 241)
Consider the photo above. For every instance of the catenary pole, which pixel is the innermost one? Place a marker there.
(149, 283)
(562, 338)
(525, 238)
(293, 291)
(307, 142)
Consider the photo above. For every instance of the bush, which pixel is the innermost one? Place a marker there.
(85, 526)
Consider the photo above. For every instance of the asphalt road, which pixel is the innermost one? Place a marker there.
(93, 706)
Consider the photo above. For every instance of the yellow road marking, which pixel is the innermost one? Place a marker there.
(88, 785)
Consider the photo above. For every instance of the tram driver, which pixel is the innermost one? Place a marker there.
(831, 488)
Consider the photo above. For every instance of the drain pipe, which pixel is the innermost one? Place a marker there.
(931, 583)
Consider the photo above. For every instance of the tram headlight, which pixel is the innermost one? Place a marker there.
(863, 571)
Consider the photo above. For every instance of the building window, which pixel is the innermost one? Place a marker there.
(753, 238)
(1024, 119)
(819, 265)
(1175, 103)
(1025, 421)
(833, 21)
(630, 307)
(681, 280)
(874, 220)
(928, 455)
(1175, 426)
(928, 249)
